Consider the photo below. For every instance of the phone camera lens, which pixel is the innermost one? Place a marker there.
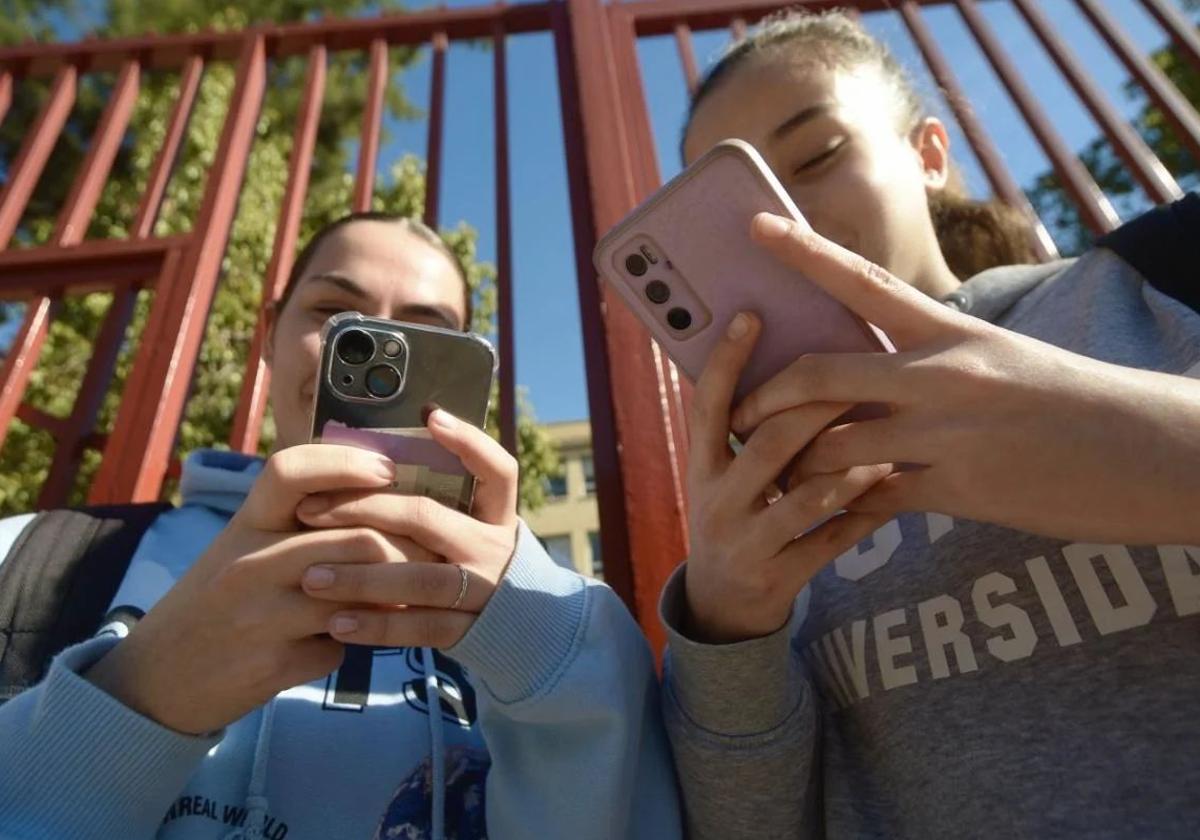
(658, 291)
(679, 319)
(636, 265)
(355, 347)
(383, 381)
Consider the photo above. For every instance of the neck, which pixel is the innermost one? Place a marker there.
(935, 278)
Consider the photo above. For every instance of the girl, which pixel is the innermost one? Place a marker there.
(1018, 658)
(499, 685)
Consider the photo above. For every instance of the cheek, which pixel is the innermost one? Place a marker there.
(297, 350)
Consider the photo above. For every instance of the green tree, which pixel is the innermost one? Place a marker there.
(221, 365)
(1052, 201)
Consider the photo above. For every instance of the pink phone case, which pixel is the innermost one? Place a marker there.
(697, 231)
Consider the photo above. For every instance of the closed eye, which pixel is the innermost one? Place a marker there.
(814, 163)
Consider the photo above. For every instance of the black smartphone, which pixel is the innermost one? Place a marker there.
(377, 382)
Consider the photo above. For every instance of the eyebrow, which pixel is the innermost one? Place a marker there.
(343, 283)
(417, 310)
(799, 119)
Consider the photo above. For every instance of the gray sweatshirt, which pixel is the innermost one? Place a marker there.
(950, 678)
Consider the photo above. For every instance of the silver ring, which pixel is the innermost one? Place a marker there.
(462, 591)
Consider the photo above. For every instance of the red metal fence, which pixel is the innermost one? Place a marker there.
(637, 402)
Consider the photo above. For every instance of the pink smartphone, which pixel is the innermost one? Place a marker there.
(685, 263)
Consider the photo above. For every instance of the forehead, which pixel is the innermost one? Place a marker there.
(769, 88)
(385, 258)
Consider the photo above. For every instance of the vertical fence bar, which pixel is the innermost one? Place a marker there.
(687, 55)
(23, 177)
(737, 28)
(1174, 105)
(1182, 31)
(71, 227)
(164, 163)
(93, 173)
(1095, 210)
(25, 171)
(989, 157)
(368, 149)
(504, 278)
(138, 450)
(437, 120)
(1128, 144)
(252, 403)
(6, 91)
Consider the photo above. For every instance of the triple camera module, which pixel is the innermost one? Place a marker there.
(656, 291)
(383, 360)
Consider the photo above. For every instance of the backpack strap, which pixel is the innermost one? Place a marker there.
(57, 581)
(1161, 245)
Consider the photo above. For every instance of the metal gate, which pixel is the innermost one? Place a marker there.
(637, 401)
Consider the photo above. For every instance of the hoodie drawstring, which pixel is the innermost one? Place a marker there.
(433, 698)
(257, 806)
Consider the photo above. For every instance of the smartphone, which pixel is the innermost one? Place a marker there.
(376, 384)
(686, 265)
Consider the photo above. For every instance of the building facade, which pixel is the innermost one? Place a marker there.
(568, 524)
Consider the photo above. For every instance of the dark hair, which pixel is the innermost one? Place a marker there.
(973, 235)
(413, 226)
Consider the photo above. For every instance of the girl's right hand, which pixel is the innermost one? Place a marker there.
(750, 559)
(236, 629)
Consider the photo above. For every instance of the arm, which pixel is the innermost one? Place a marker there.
(569, 708)
(78, 763)
(742, 722)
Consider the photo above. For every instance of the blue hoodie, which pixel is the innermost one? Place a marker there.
(546, 722)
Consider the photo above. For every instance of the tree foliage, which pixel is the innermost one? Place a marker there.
(220, 367)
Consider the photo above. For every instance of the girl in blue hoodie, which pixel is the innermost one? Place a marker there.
(292, 653)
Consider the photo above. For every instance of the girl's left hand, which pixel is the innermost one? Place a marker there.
(410, 593)
(1009, 430)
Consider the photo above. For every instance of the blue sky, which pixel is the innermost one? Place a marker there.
(549, 352)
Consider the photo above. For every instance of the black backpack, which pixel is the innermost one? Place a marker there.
(57, 581)
(64, 569)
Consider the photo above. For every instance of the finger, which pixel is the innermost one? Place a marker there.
(907, 316)
(495, 470)
(435, 528)
(405, 627)
(805, 557)
(287, 559)
(769, 450)
(853, 378)
(312, 658)
(296, 616)
(293, 473)
(905, 491)
(813, 501)
(410, 584)
(708, 422)
(890, 441)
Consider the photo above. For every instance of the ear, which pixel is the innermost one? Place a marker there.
(932, 145)
(270, 317)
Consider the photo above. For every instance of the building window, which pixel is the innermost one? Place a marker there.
(559, 549)
(597, 559)
(589, 476)
(556, 486)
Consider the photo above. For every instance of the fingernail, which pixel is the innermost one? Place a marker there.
(386, 468)
(312, 505)
(739, 326)
(771, 226)
(318, 577)
(443, 419)
(344, 624)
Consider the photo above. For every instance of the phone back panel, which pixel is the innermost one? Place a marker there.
(442, 368)
(700, 224)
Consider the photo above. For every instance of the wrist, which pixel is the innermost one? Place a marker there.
(121, 674)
